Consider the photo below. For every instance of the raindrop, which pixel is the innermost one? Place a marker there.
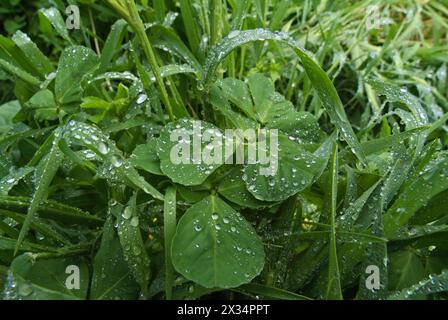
(134, 221)
(127, 213)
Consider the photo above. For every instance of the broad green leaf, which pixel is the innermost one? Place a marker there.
(233, 188)
(31, 279)
(294, 169)
(259, 101)
(405, 269)
(238, 93)
(75, 63)
(319, 79)
(112, 278)
(145, 157)
(182, 147)
(44, 105)
(215, 246)
(234, 119)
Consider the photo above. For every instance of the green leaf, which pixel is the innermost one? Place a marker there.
(169, 229)
(52, 210)
(75, 63)
(170, 40)
(187, 166)
(111, 277)
(215, 246)
(259, 101)
(43, 176)
(112, 44)
(19, 72)
(38, 60)
(319, 79)
(334, 279)
(54, 17)
(233, 188)
(405, 270)
(431, 182)
(31, 279)
(396, 94)
(114, 168)
(145, 157)
(12, 179)
(7, 114)
(44, 105)
(297, 169)
(131, 240)
(433, 284)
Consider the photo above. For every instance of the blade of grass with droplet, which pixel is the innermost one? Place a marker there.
(54, 17)
(334, 291)
(396, 94)
(320, 80)
(52, 210)
(279, 14)
(111, 275)
(433, 284)
(12, 179)
(169, 39)
(37, 224)
(134, 250)
(169, 229)
(10, 244)
(20, 73)
(270, 292)
(191, 27)
(44, 174)
(112, 43)
(38, 60)
(416, 195)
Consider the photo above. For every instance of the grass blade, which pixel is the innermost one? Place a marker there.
(334, 291)
(44, 174)
(169, 229)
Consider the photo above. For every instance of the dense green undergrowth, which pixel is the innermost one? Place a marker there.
(93, 207)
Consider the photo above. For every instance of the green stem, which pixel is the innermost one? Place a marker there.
(129, 12)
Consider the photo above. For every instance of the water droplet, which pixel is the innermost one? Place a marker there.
(134, 221)
(127, 213)
(102, 148)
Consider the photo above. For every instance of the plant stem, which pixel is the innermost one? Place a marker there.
(131, 15)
